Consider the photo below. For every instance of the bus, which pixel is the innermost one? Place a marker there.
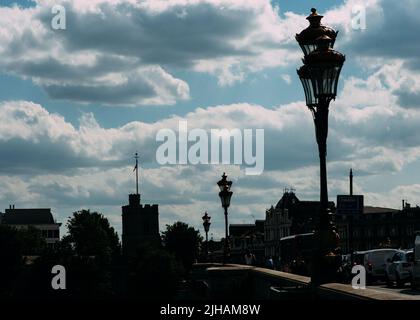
(296, 252)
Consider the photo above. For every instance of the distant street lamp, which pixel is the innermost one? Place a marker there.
(319, 76)
(206, 224)
(225, 194)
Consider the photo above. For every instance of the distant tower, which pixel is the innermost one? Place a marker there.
(140, 223)
(351, 181)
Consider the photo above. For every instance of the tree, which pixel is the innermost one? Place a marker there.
(14, 245)
(32, 243)
(154, 273)
(91, 235)
(96, 249)
(89, 253)
(184, 241)
(10, 257)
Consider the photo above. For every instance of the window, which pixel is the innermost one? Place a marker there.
(44, 234)
(396, 257)
(50, 234)
(410, 257)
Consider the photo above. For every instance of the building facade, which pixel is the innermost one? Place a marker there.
(378, 228)
(364, 228)
(290, 216)
(140, 225)
(41, 219)
(277, 225)
(243, 237)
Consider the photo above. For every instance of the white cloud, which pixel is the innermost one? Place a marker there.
(124, 52)
(90, 166)
(373, 123)
(286, 78)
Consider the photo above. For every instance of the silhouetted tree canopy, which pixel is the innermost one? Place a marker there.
(95, 268)
(89, 253)
(15, 244)
(155, 273)
(11, 260)
(32, 241)
(184, 241)
(91, 235)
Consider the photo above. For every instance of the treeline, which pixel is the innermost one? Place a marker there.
(94, 265)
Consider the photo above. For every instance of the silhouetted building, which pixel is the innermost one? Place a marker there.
(363, 228)
(277, 225)
(41, 219)
(378, 228)
(245, 237)
(140, 225)
(350, 204)
(290, 216)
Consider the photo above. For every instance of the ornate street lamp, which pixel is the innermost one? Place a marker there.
(319, 76)
(225, 194)
(307, 39)
(206, 224)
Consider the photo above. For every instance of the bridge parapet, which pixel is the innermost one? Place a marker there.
(239, 282)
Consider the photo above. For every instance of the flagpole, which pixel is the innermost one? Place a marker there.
(137, 173)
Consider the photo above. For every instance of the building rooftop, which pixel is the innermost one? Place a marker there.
(241, 229)
(242, 225)
(369, 209)
(288, 199)
(28, 216)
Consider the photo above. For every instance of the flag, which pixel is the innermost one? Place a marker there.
(135, 167)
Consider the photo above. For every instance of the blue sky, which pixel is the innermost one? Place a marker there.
(265, 88)
(75, 104)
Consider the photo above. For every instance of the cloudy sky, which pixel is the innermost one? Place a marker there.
(75, 104)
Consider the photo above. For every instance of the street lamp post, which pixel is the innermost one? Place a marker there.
(225, 194)
(319, 76)
(206, 224)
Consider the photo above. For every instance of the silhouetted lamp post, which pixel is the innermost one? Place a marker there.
(206, 224)
(225, 194)
(319, 76)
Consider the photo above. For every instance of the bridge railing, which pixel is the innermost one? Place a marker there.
(239, 282)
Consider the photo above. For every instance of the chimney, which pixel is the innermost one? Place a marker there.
(13, 207)
(351, 181)
(10, 206)
(403, 204)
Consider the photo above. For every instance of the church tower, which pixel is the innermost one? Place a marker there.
(140, 223)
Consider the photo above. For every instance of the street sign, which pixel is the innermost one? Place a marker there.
(347, 204)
